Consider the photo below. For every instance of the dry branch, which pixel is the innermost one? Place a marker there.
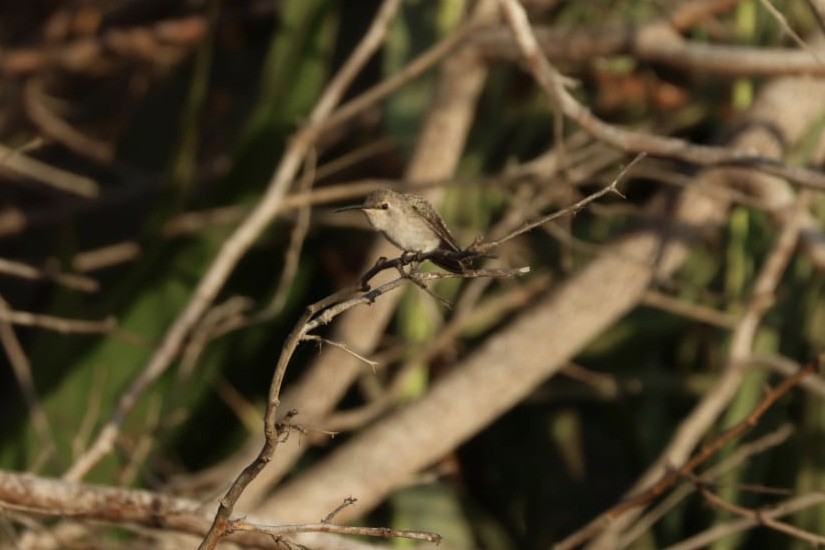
(36, 496)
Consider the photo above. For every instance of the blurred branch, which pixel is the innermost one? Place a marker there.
(659, 42)
(161, 44)
(21, 367)
(783, 22)
(51, 125)
(675, 474)
(787, 507)
(758, 515)
(555, 85)
(739, 456)
(23, 165)
(296, 243)
(106, 256)
(58, 324)
(68, 280)
(787, 367)
(682, 308)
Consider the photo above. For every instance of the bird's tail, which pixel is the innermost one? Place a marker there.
(451, 264)
(459, 261)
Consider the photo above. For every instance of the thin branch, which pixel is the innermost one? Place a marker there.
(24, 493)
(479, 249)
(315, 315)
(345, 348)
(570, 210)
(377, 532)
(346, 503)
(360, 154)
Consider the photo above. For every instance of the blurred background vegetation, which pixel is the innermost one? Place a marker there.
(199, 119)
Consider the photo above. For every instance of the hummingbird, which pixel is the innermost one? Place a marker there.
(410, 223)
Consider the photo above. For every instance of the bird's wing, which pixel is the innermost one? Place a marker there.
(437, 224)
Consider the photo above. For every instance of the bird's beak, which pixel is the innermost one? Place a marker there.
(352, 207)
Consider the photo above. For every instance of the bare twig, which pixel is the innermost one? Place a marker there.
(360, 154)
(349, 501)
(571, 210)
(479, 249)
(324, 527)
(345, 348)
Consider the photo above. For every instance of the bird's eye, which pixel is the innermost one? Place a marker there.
(384, 206)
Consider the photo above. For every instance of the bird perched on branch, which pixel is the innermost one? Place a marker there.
(413, 225)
